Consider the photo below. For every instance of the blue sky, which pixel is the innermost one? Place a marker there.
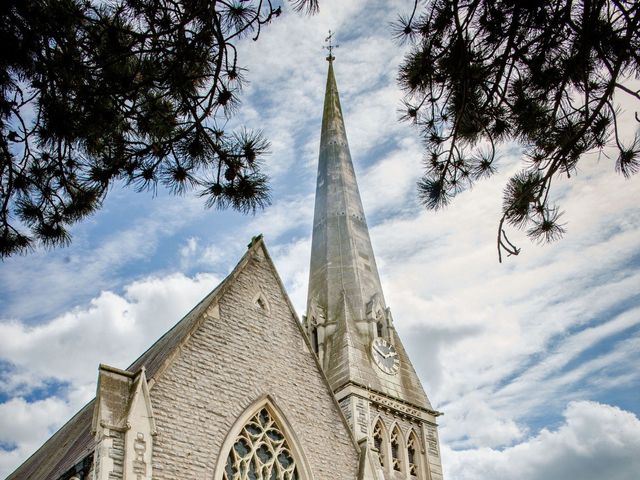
(534, 361)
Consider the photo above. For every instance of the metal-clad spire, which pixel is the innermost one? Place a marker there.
(346, 309)
(342, 261)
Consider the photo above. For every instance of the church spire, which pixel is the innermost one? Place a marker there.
(343, 276)
(346, 310)
(349, 324)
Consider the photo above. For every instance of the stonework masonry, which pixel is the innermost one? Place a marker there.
(116, 454)
(229, 362)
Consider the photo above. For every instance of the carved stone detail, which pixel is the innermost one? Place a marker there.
(260, 452)
(139, 465)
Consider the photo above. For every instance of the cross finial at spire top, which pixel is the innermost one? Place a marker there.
(330, 46)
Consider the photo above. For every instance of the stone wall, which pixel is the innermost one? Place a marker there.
(116, 452)
(249, 350)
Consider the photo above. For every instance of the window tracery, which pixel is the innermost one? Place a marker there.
(395, 450)
(412, 449)
(378, 442)
(261, 452)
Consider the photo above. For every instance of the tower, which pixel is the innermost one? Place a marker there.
(350, 326)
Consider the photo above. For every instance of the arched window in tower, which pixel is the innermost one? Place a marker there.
(413, 455)
(378, 442)
(396, 462)
(379, 327)
(261, 452)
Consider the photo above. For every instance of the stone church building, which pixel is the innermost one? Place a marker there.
(240, 389)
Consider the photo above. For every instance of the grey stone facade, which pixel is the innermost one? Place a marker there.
(239, 354)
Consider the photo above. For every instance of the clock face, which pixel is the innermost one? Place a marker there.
(385, 356)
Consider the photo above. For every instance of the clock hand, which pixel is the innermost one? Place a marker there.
(375, 347)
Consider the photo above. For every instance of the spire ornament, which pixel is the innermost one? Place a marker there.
(330, 46)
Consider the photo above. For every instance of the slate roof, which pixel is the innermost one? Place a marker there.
(74, 441)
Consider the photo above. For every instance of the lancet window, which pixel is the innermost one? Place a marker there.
(412, 455)
(379, 328)
(378, 442)
(261, 452)
(396, 462)
(380, 323)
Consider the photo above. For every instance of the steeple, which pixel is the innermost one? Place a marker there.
(346, 309)
(344, 276)
(350, 326)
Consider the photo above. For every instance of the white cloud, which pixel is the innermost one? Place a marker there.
(188, 251)
(511, 340)
(113, 329)
(213, 255)
(389, 184)
(292, 263)
(282, 217)
(365, 70)
(596, 441)
(26, 426)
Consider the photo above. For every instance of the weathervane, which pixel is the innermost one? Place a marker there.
(330, 47)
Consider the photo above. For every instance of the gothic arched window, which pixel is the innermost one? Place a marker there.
(379, 328)
(378, 442)
(380, 320)
(413, 455)
(396, 461)
(261, 452)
